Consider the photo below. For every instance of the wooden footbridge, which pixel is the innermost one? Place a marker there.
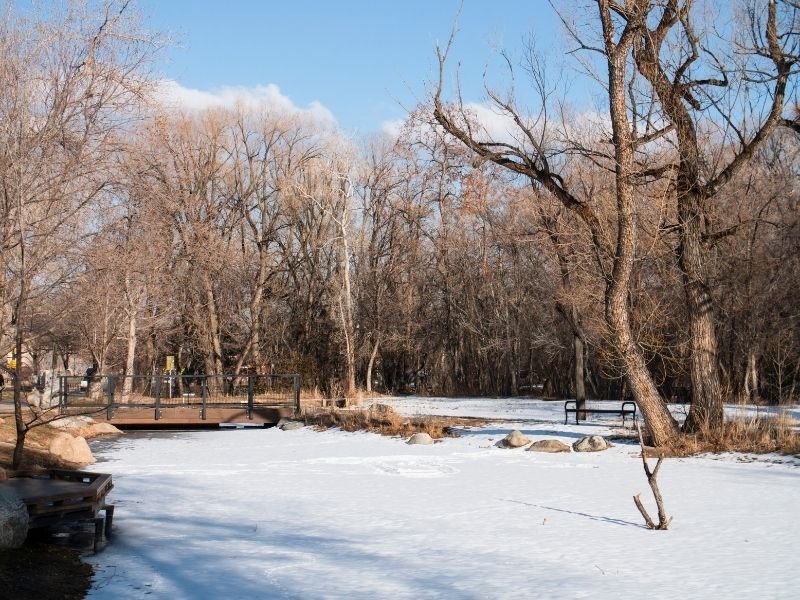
(169, 401)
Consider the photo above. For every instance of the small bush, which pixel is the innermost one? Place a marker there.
(383, 420)
(757, 435)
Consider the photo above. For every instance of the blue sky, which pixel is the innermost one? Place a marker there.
(365, 61)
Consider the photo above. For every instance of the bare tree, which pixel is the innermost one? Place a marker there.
(533, 157)
(685, 66)
(70, 81)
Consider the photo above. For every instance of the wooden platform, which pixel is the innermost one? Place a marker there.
(57, 497)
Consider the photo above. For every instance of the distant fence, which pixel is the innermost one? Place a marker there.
(111, 392)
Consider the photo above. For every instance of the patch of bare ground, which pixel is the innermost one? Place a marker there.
(384, 420)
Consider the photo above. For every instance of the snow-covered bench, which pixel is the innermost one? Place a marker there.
(627, 408)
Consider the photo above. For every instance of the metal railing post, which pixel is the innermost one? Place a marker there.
(250, 393)
(204, 394)
(62, 394)
(112, 383)
(158, 398)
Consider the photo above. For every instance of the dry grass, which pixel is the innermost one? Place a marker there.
(757, 435)
(383, 420)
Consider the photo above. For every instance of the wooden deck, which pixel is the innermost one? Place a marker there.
(60, 496)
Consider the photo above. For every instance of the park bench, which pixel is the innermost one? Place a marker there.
(628, 407)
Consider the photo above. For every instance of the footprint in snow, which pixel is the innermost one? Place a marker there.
(415, 468)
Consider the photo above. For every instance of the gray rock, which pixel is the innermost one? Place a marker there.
(591, 443)
(420, 438)
(13, 520)
(549, 446)
(291, 425)
(515, 439)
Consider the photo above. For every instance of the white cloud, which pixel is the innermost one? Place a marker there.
(393, 128)
(489, 123)
(175, 96)
(497, 126)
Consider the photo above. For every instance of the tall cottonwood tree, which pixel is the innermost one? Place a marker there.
(534, 157)
(740, 87)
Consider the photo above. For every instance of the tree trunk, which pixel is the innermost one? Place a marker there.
(256, 307)
(19, 448)
(213, 326)
(346, 303)
(580, 387)
(751, 378)
(660, 423)
(19, 420)
(706, 408)
(130, 359)
(371, 363)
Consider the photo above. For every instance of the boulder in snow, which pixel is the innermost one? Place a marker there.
(13, 520)
(71, 449)
(591, 443)
(291, 425)
(515, 439)
(420, 438)
(548, 446)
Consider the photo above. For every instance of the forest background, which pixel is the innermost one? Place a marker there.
(251, 238)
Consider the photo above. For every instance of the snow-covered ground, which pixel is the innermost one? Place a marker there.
(304, 514)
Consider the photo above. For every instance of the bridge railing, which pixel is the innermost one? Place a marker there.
(158, 392)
